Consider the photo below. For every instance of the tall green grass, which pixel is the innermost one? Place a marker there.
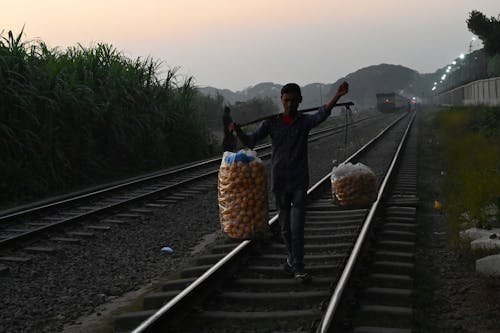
(471, 148)
(82, 116)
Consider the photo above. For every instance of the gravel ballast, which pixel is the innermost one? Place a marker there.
(57, 291)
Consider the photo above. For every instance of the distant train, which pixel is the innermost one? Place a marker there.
(391, 102)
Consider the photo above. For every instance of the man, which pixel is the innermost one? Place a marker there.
(290, 173)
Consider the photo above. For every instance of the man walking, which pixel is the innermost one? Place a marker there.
(290, 173)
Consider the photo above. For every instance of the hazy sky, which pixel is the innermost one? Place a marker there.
(235, 44)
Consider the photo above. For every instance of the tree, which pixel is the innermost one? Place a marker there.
(487, 29)
(494, 66)
(210, 110)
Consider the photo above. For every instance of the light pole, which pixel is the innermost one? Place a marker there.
(470, 44)
(470, 61)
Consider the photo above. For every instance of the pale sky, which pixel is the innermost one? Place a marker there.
(234, 44)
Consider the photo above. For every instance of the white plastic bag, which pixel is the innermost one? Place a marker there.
(353, 185)
(242, 192)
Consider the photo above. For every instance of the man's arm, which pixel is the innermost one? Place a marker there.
(250, 140)
(341, 91)
(325, 111)
(244, 138)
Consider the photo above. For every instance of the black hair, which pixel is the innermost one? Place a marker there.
(227, 109)
(291, 88)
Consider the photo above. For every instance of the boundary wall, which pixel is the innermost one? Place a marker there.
(481, 92)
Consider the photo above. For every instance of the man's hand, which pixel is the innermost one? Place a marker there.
(234, 127)
(242, 136)
(343, 89)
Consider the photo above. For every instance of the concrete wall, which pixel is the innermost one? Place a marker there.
(481, 92)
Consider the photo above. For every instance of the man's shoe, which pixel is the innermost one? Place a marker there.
(302, 277)
(287, 267)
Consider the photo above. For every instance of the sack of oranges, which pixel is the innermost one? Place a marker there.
(353, 185)
(242, 192)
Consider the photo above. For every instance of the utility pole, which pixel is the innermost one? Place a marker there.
(470, 60)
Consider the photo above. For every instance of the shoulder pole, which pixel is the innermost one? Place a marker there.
(347, 104)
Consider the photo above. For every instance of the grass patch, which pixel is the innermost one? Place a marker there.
(445, 144)
(469, 137)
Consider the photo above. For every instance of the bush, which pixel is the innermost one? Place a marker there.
(471, 148)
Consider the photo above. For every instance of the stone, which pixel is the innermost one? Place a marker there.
(489, 265)
(485, 243)
(476, 233)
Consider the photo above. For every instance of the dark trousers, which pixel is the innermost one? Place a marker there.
(292, 215)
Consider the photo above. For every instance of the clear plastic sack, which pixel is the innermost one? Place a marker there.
(353, 185)
(242, 193)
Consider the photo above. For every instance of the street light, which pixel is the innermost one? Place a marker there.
(470, 44)
(470, 61)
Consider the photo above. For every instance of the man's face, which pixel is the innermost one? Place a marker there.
(290, 102)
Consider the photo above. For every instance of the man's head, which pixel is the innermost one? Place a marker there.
(291, 97)
(227, 109)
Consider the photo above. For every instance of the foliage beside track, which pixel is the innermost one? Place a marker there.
(470, 140)
(82, 116)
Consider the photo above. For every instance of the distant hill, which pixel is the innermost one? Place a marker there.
(312, 93)
(368, 81)
(364, 84)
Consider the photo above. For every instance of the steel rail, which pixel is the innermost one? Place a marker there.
(7, 241)
(16, 212)
(190, 291)
(25, 235)
(355, 154)
(348, 268)
(171, 307)
(107, 189)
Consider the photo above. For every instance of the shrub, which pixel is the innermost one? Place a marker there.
(471, 148)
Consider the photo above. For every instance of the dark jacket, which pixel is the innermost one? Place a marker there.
(289, 143)
(229, 141)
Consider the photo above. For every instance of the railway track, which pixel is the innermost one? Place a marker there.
(241, 287)
(26, 223)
